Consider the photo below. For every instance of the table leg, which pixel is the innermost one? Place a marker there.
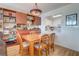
(31, 49)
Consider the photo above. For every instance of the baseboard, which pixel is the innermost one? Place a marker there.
(65, 47)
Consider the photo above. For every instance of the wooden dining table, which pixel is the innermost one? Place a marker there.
(31, 38)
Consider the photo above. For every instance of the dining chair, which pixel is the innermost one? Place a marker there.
(42, 46)
(37, 50)
(24, 46)
(52, 45)
(45, 40)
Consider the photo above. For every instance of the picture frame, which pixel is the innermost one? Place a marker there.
(71, 20)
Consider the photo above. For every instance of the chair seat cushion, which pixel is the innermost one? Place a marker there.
(38, 46)
(46, 42)
(25, 44)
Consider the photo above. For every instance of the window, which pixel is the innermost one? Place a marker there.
(71, 20)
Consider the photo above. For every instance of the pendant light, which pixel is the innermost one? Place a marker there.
(36, 11)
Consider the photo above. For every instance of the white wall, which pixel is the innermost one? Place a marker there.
(67, 36)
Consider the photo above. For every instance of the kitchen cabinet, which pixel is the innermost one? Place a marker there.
(9, 13)
(1, 22)
(2, 48)
(20, 18)
(37, 21)
(34, 19)
(13, 50)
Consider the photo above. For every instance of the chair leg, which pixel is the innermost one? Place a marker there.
(40, 52)
(53, 48)
(28, 51)
(47, 52)
(21, 52)
(49, 48)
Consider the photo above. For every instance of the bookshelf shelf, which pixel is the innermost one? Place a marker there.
(9, 23)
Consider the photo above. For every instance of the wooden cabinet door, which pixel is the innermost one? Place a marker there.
(9, 13)
(13, 50)
(37, 21)
(20, 18)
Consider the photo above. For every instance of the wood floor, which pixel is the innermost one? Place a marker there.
(59, 51)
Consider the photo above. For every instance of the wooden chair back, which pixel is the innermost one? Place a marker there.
(52, 45)
(52, 36)
(45, 37)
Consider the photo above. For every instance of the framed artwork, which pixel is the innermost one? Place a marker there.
(71, 20)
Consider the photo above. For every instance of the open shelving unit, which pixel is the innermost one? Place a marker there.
(9, 25)
(1, 22)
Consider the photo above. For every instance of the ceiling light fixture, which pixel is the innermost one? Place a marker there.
(55, 16)
(36, 11)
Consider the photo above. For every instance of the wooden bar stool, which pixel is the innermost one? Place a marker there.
(23, 45)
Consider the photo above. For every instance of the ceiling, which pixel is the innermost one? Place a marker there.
(26, 7)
